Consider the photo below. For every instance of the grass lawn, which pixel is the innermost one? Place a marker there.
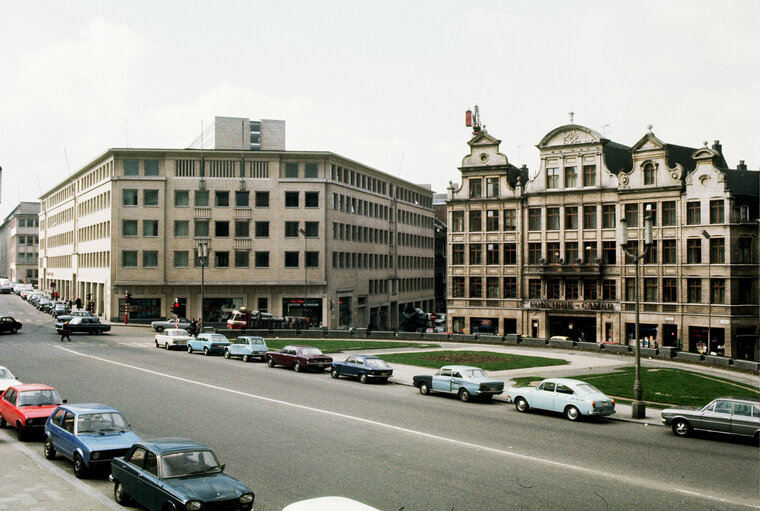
(338, 345)
(663, 386)
(487, 360)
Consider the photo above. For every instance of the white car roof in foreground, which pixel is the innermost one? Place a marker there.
(328, 504)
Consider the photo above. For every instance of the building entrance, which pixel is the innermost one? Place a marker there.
(577, 328)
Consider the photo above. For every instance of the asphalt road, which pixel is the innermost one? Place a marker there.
(294, 436)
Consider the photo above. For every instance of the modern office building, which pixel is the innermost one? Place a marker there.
(236, 133)
(282, 228)
(19, 241)
(540, 256)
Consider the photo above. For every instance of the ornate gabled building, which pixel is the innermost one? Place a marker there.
(540, 256)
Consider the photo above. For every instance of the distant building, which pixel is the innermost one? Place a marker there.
(441, 245)
(19, 243)
(236, 133)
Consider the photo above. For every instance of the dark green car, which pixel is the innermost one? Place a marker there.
(176, 474)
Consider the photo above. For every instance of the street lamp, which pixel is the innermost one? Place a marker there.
(202, 253)
(709, 290)
(639, 407)
(303, 310)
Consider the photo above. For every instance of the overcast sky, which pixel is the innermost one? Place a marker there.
(384, 83)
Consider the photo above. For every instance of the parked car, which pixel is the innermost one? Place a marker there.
(247, 347)
(173, 338)
(732, 415)
(9, 324)
(41, 303)
(27, 406)
(171, 322)
(299, 357)
(84, 325)
(331, 503)
(6, 379)
(75, 313)
(363, 367)
(60, 309)
(465, 381)
(208, 343)
(90, 435)
(573, 398)
(175, 473)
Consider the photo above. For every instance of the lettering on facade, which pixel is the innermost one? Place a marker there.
(558, 305)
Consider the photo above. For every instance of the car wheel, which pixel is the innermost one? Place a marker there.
(80, 469)
(3, 424)
(572, 413)
(119, 495)
(226, 353)
(159, 329)
(270, 362)
(206, 351)
(20, 433)
(363, 378)
(157, 345)
(297, 367)
(167, 345)
(15, 330)
(48, 449)
(189, 349)
(335, 374)
(681, 427)
(245, 358)
(521, 404)
(424, 389)
(464, 395)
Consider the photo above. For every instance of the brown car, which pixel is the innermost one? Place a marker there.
(299, 358)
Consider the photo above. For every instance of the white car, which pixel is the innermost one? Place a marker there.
(6, 379)
(328, 504)
(173, 338)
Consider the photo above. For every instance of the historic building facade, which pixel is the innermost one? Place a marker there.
(19, 243)
(540, 256)
(282, 228)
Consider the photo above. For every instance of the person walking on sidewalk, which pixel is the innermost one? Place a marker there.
(65, 332)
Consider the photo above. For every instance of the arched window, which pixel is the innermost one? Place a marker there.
(649, 174)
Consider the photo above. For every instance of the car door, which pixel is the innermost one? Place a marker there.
(148, 481)
(8, 406)
(543, 397)
(564, 395)
(442, 380)
(63, 437)
(745, 419)
(132, 469)
(456, 381)
(718, 417)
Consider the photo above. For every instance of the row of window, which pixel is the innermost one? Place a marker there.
(362, 207)
(219, 259)
(27, 221)
(369, 183)
(570, 176)
(27, 258)
(97, 231)
(93, 204)
(130, 228)
(27, 240)
(130, 197)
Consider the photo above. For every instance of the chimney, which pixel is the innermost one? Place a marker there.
(741, 166)
(717, 147)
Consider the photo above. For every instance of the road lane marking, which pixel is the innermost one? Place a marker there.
(653, 485)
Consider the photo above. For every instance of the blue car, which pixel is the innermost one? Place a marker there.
(208, 344)
(90, 435)
(363, 367)
(464, 381)
(174, 474)
(573, 398)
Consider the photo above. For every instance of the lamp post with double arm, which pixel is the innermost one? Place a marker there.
(638, 409)
(202, 253)
(305, 248)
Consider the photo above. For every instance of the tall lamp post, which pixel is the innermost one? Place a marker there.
(305, 248)
(202, 253)
(709, 292)
(638, 410)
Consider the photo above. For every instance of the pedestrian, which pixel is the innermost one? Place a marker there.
(65, 332)
(193, 327)
(79, 303)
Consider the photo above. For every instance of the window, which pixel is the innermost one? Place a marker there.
(262, 199)
(694, 251)
(571, 217)
(650, 289)
(262, 229)
(129, 198)
(632, 248)
(150, 197)
(651, 255)
(669, 290)
(476, 221)
(457, 287)
(457, 221)
(590, 290)
(492, 220)
(744, 250)
(492, 187)
(571, 252)
(312, 259)
(291, 229)
(150, 258)
(571, 177)
(128, 228)
(311, 199)
(129, 258)
(534, 288)
(181, 198)
(241, 259)
(201, 228)
(609, 289)
(291, 199)
(261, 259)
(552, 253)
(492, 253)
(632, 214)
(291, 259)
(650, 210)
(476, 186)
(131, 168)
(694, 290)
(222, 259)
(457, 253)
(242, 199)
(668, 251)
(589, 217)
(311, 229)
(649, 174)
(151, 168)
(552, 219)
(150, 228)
(693, 213)
(201, 198)
(718, 291)
(552, 289)
(242, 229)
(476, 251)
(291, 169)
(534, 219)
(510, 287)
(509, 220)
(589, 175)
(534, 253)
(716, 211)
(476, 287)
(222, 199)
(609, 252)
(492, 287)
(552, 178)
(717, 250)
(669, 213)
(311, 171)
(510, 253)
(222, 229)
(180, 259)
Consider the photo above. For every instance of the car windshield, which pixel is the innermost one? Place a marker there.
(38, 398)
(189, 463)
(474, 373)
(311, 351)
(6, 374)
(376, 362)
(218, 338)
(101, 423)
(586, 388)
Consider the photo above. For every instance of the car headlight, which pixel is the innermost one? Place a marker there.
(246, 498)
(29, 422)
(95, 455)
(193, 505)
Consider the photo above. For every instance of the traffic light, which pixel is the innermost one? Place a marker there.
(181, 310)
(175, 308)
(128, 298)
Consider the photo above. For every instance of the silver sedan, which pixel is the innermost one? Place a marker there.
(732, 415)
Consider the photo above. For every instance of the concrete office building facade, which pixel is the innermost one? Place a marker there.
(19, 243)
(540, 256)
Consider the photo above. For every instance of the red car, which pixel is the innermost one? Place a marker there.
(27, 407)
(299, 358)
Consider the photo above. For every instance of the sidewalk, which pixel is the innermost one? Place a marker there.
(32, 483)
